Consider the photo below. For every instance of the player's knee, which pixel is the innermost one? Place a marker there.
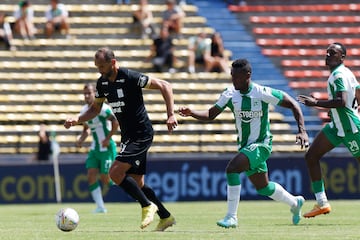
(236, 165)
(116, 177)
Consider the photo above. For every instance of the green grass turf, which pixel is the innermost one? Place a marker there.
(195, 220)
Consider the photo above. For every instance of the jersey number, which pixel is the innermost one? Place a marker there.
(353, 146)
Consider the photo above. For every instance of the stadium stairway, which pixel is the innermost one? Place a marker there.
(43, 81)
(243, 44)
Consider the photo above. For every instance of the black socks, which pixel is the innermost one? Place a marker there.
(162, 212)
(130, 187)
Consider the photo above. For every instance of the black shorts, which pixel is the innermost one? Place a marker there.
(57, 26)
(199, 59)
(134, 152)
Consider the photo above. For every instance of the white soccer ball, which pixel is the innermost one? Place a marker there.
(67, 219)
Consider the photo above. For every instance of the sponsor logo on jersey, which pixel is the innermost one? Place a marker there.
(248, 116)
(104, 83)
(142, 80)
(120, 80)
(116, 106)
(256, 103)
(137, 162)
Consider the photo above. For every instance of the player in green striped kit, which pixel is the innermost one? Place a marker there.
(343, 101)
(103, 148)
(249, 103)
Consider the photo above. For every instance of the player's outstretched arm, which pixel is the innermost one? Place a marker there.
(92, 112)
(338, 101)
(209, 114)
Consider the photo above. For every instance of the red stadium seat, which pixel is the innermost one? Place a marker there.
(295, 8)
(293, 52)
(304, 19)
(315, 63)
(304, 52)
(302, 63)
(305, 41)
(306, 30)
(306, 74)
(311, 73)
(320, 95)
(324, 116)
(307, 84)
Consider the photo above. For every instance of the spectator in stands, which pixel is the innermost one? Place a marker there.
(123, 89)
(6, 35)
(144, 16)
(24, 25)
(103, 148)
(44, 146)
(57, 19)
(173, 17)
(199, 51)
(162, 51)
(249, 102)
(218, 60)
(344, 127)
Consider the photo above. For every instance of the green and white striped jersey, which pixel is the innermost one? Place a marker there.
(251, 112)
(345, 119)
(99, 126)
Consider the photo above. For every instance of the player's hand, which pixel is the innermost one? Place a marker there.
(105, 143)
(171, 123)
(306, 100)
(184, 111)
(302, 139)
(78, 142)
(69, 123)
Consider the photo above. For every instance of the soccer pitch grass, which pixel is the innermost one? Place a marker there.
(195, 220)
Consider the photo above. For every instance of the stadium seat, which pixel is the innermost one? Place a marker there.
(308, 84)
(324, 116)
(306, 30)
(296, 8)
(310, 74)
(304, 19)
(306, 52)
(302, 63)
(320, 95)
(306, 74)
(305, 41)
(292, 52)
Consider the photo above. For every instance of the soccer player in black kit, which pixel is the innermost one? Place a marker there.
(123, 90)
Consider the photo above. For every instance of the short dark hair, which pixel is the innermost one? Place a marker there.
(343, 48)
(170, 2)
(106, 53)
(24, 3)
(242, 64)
(89, 85)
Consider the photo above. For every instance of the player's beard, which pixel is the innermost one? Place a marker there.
(108, 74)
